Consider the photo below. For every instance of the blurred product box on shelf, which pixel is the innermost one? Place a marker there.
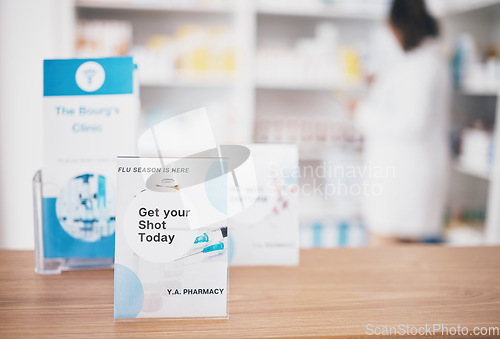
(331, 189)
(332, 233)
(466, 228)
(267, 233)
(476, 151)
(90, 116)
(103, 38)
(348, 7)
(473, 71)
(314, 136)
(191, 53)
(318, 61)
(446, 7)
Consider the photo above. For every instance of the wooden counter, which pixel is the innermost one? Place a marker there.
(332, 293)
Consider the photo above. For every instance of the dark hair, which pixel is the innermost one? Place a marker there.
(414, 22)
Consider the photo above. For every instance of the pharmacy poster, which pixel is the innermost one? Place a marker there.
(90, 116)
(267, 232)
(171, 238)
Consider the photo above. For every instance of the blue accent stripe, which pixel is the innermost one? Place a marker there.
(317, 238)
(343, 233)
(101, 192)
(59, 76)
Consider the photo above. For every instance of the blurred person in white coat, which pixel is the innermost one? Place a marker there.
(404, 120)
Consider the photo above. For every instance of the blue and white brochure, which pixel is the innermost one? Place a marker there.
(90, 116)
(171, 238)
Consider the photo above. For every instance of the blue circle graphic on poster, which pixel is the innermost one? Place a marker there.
(129, 293)
(85, 208)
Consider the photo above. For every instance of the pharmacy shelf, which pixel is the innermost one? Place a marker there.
(154, 6)
(465, 6)
(472, 171)
(283, 86)
(188, 83)
(308, 153)
(324, 12)
(479, 92)
(320, 13)
(304, 86)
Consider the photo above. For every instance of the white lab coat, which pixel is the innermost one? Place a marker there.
(404, 121)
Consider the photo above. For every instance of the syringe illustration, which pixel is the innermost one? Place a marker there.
(214, 235)
(210, 237)
(212, 248)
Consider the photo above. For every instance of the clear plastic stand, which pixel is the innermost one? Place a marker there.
(45, 265)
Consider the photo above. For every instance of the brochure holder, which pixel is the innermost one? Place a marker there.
(45, 265)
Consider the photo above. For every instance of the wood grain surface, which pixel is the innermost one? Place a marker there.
(332, 293)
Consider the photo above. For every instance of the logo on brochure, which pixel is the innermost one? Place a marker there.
(90, 76)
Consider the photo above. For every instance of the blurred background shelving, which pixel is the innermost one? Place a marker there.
(278, 70)
(186, 53)
(472, 33)
(169, 6)
(268, 71)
